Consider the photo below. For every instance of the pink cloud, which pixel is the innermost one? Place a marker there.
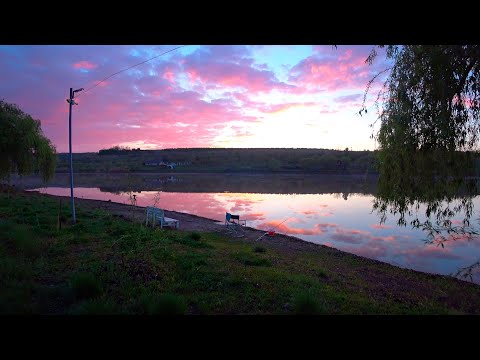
(355, 236)
(85, 65)
(349, 98)
(230, 67)
(435, 252)
(326, 214)
(280, 227)
(145, 104)
(390, 238)
(380, 226)
(276, 108)
(372, 251)
(168, 74)
(254, 216)
(333, 70)
(326, 225)
(454, 240)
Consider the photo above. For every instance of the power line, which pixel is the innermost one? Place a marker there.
(118, 72)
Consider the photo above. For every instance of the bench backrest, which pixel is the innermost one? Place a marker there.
(229, 217)
(153, 211)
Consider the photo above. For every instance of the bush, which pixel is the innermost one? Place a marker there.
(195, 236)
(21, 239)
(85, 286)
(166, 304)
(192, 240)
(95, 307)
(251, 260)
(259, 249)
(305, 303)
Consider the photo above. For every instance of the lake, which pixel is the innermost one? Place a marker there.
(332, 210)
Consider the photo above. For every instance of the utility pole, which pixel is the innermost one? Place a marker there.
(71, 102)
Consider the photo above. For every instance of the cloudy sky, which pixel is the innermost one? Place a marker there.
(197, 96)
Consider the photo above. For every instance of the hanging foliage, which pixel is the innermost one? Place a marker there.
(24, 148)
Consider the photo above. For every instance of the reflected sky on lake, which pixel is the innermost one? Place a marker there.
(338, 220)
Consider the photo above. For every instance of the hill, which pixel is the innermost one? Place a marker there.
(221, 160)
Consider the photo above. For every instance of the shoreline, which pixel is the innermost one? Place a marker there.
(243, 173)
(287, 244)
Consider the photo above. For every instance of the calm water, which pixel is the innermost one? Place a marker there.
(328, 210)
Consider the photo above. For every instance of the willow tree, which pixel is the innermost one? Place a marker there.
(24, 148)
(433, 92)
(429, 113)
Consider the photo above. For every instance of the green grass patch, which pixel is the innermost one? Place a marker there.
(307, 303)
(195, 236)
(20, 239)
(164, 304)
(95, 307)
(106, 265)
(259, 249)
(248, 259)
(85, 286)
(192, 240)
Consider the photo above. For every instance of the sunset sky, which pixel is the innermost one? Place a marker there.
(197, 96)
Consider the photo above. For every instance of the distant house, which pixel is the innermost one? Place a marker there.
(161, 163)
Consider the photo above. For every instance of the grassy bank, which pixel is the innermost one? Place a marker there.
(106, 264)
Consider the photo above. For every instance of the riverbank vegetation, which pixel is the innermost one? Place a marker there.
(223, 160)
(109, 265)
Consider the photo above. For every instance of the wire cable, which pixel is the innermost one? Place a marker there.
(118, 72)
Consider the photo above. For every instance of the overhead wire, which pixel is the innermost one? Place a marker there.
(130, 67)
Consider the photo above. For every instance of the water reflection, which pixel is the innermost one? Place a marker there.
(434, 195)
(332, 211)
(215, 183)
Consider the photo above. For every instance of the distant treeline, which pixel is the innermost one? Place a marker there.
(216, 160)
(118, 159)
(118, 150)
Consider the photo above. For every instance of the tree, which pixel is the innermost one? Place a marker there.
(23, 146)
(429, 109)
(431, 98)
(429, 112)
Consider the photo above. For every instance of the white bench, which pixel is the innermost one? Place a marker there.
(157, 216)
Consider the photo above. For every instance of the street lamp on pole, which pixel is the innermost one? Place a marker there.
(71, 102)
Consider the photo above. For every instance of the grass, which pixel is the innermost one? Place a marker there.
(164, 304)
(85, 286)
(195, 236)
(251, 260)
(306, 303)
(106, 265)
(95, 307)
(259, 249)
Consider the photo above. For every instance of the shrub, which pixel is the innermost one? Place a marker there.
(95, 307)
(251, 260)
(85, 286)
(259, 249)
(165, 304)
(305, 303)
(196, 236)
